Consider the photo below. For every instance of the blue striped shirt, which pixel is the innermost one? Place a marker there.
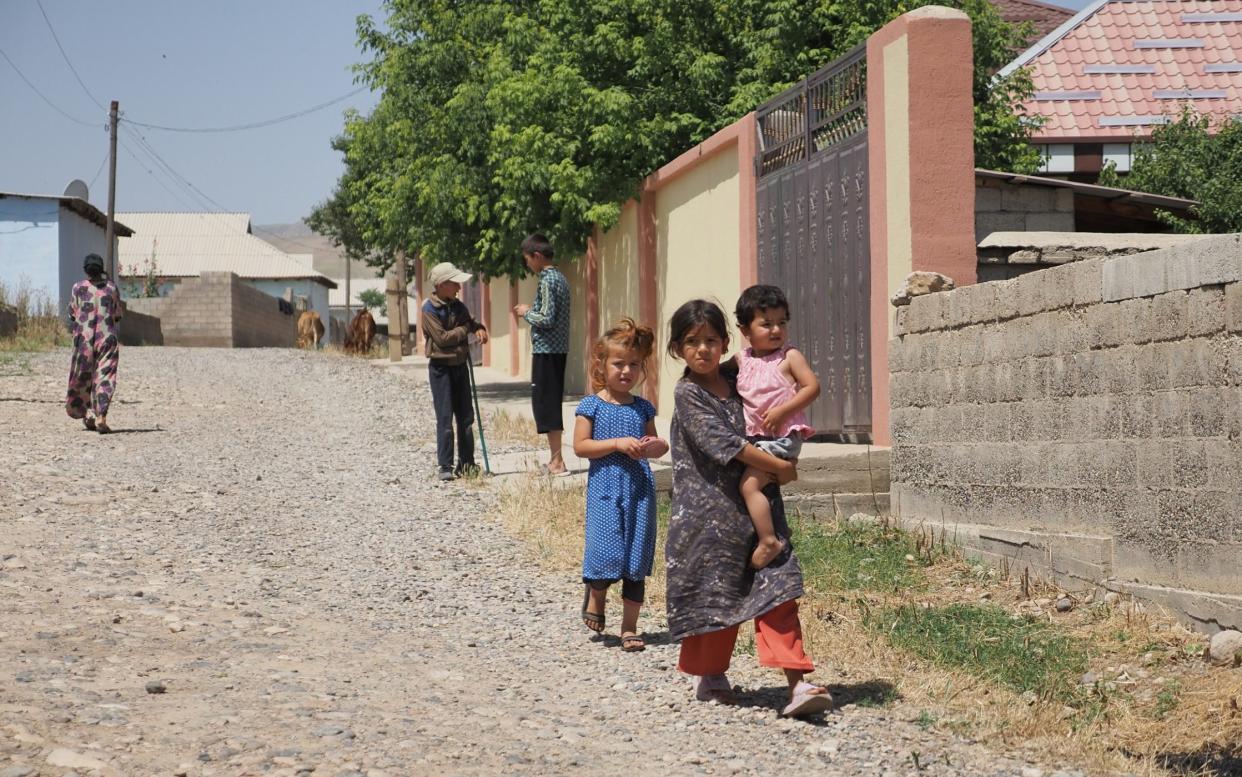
(549, 315)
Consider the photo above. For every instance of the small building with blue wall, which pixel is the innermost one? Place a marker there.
(45, 237)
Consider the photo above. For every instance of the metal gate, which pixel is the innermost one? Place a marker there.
(813, 233)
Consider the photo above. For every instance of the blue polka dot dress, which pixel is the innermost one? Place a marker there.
(621, 504)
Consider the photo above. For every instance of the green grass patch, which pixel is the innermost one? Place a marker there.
(840, 556)
(987, 642)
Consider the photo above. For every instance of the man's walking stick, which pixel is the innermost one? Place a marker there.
(474, 393)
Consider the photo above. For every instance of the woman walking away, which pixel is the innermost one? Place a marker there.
(94, 315)
(616, 431)
(712, 587)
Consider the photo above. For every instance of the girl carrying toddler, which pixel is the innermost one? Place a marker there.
(616, 431)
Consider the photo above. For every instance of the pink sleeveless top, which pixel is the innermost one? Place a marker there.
(762, 387)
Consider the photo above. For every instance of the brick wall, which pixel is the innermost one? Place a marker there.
(218, 310)
(140, 328)
(1005, 207)
(1084, 421)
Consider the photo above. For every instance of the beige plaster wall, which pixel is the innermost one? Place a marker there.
(697, 253)
(618, 269)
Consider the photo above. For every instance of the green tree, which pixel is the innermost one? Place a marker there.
(1197, 157)
(374, 299)
(500, 117)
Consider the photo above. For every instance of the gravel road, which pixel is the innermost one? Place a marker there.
(259, 576)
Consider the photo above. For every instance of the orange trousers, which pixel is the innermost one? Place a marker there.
(778, 641)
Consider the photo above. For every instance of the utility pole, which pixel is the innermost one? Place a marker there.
(110, 250)
(404, 325)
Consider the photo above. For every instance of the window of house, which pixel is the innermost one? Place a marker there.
(1057, 157)
(1119, 155)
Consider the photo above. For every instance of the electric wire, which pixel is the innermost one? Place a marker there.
(202, 196)
(95, 177)
(65, 56)
(42, 96)
(252, 125)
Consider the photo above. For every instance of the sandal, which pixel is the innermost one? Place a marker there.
(593, 621)
(103, 428)
(89, 423)
(807, 699)
(632, 643)
(715, 687)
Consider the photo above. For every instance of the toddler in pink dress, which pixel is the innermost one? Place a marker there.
(776, 385)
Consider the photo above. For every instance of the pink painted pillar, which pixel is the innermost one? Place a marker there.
(591, 271)
(486, 318)
(920, 117)
(748, 245)
(513, 328)
(648, 294)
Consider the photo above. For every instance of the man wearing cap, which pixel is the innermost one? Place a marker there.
(447, 326)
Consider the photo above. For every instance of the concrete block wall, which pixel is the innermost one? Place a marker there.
(1006, 207)
(1086, 421)
(139, 328)
(218, 310)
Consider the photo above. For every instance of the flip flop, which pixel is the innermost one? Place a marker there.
(715, 687)
(89, 423)
(632, 643)
(593, 621)
(806, 702)
(103, 428)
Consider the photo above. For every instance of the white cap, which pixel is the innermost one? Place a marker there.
(445, 271)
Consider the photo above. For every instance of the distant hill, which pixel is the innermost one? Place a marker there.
(298, 238)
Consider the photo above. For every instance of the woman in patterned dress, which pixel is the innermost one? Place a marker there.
(616, 431)
(712, 588)
(94, 314)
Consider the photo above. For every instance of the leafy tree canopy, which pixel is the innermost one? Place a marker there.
(1198, 157)
(502, 117)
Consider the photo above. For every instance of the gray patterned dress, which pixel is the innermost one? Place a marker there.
(711, 585)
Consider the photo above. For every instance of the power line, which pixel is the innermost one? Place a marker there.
(100, 170)
(256, 124)
(42, 96)
(72, 69)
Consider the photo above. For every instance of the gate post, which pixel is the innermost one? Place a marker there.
(921, 121)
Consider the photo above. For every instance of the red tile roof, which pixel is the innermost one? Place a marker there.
(1121, 66)
(1044, 18)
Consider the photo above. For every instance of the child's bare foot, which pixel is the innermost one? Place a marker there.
(767, 550)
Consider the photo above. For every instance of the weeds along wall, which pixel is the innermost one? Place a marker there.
(1084, 421)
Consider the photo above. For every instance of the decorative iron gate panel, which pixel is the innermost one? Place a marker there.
(813, 232)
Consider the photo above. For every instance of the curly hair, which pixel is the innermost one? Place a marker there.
(627, 334)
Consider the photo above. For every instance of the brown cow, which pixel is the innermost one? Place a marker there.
(361, 333)
(310, 330)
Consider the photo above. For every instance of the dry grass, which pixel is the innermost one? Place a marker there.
(1157, 708)
(39, 328)
(503, 426)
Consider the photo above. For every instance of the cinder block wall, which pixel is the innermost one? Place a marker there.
(139, 328)
(1005, 207)
(218, 310)
(1084, 421)
(257, 320)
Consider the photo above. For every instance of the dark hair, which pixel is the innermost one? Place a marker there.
(756, 298)
(689, 317)
(628, 334)
(537, 244)
(93, 265)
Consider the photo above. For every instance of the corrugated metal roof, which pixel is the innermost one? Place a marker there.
(1091, 190)
(206, 223)
(1135, 54)
(187, 244)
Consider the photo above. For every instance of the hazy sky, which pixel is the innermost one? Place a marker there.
(183, 64)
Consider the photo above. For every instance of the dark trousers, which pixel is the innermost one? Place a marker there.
(450, 393)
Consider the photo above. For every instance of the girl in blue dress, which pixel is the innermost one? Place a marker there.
(616, 431)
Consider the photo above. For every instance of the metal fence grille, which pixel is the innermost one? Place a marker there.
(813, 232)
